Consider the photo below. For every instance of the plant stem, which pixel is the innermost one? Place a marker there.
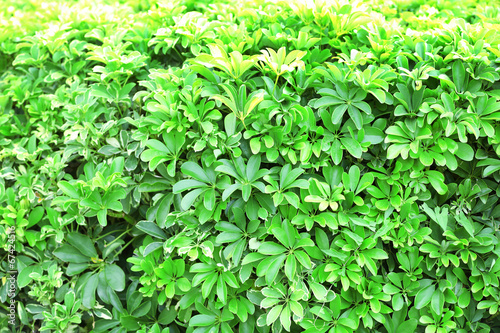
(124, 216)
(493, 316)
(275, 84)
(106, 234)
(117, 238)
(243, 121)
(178, 53)
(119, 109)
(124, 247)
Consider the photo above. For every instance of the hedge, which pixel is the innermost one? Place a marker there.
(317, 166)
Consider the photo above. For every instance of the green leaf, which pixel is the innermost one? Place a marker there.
(424, 296)
(390, 289)
(290, 267)
(23, 278)
(68, 189)
(458, 74)
(187, 184)
(274, 268)
(303, 258)
(202, 320)
(167, 316)
(194, 170)
(327, 101)
(70, 254)
(437, 302)
(437, 181)
(99, 90)
(375, 253)
(338, 113)
(130, 323)
(352, 146)
(102, 217)
(152, 229)
(35, 216)
(88, 297)
(466, 223)
(255, 145)
(75, 269)
(355, 116)
(440, 217)
(336, 152)
(464, 151)
(189, 198)
(82, 243)
(115, 277)
(270, 248)
(207, 286)
(273, 315)
(409, 326)
(285, 318)
(464, 299)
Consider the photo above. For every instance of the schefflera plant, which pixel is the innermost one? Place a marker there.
(97, 192)
(285, 166)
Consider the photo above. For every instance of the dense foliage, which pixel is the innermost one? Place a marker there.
(250, 166)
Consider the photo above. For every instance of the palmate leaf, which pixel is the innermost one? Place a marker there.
(287, 180)
(437, 181)
(344, 99)
(168, 150)
(466, 223)
(202, 185)
(246, 176)
(492, 166)
(280, 62)
(238, 102)
(352, 146)
(440, 216)
(233, 65)
(233, 102)
(352, 185)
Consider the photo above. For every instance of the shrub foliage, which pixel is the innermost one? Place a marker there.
(252, 166)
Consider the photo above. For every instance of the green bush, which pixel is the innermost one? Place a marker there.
(253, 166)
